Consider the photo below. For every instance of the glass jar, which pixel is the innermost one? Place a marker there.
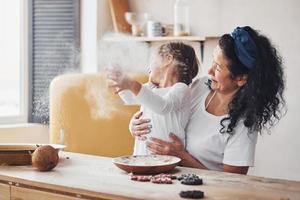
(181, 18)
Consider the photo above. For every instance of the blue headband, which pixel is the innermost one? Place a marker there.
(244, 47)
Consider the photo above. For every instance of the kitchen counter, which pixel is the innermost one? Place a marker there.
(80, 176)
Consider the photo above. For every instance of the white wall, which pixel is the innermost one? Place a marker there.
(277, 154)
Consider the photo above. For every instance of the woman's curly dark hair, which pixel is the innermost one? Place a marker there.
(260, 101)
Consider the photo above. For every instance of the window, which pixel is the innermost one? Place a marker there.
(39, 39)
(54, 50)
(12, 63)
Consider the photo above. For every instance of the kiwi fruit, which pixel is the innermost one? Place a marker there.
(45, 158)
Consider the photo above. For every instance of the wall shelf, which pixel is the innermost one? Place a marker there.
(119, 38)
(128, 38)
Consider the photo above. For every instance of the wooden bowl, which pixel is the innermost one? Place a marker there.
(146, 164)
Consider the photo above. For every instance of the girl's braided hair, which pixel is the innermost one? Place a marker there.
(185, 58)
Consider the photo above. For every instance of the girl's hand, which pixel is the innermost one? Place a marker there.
(118, 80)
(161, 147)
(138, 126)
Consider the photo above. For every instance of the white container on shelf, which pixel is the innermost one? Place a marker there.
(181, 18)
(154, 29)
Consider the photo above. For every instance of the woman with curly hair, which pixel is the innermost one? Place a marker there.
(242, 97)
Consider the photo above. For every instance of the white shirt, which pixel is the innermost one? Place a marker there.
(168, 108)
(204, 140)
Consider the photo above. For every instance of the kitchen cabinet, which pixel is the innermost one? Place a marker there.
(19, 193)
(4, 192)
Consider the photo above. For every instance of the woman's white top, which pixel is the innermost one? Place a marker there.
(204, 140)
(168, 108)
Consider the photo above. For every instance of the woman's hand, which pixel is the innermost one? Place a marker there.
(138, 126)
(174, 148)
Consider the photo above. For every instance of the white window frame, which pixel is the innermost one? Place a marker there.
(88, 17)
(24, 66)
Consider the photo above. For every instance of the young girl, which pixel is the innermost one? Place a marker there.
(165, 99)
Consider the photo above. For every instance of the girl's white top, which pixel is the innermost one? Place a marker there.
(167, 108)
(204, 140)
